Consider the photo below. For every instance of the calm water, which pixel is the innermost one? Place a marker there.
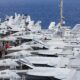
(46, 12)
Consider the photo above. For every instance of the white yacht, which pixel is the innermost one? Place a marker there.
(52, 52)
(58, 73)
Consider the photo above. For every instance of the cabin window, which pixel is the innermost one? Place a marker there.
(42, 65)
(4, 67)
(24, 67)
(6, 79)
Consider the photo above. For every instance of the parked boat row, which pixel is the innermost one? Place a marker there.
(35, 52)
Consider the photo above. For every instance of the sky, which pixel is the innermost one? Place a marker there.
(12, 1)
(70, 6)
(23, 2)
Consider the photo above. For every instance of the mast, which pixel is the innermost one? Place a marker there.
(61, 13)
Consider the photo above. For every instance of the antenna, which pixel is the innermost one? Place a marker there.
(61, 13)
